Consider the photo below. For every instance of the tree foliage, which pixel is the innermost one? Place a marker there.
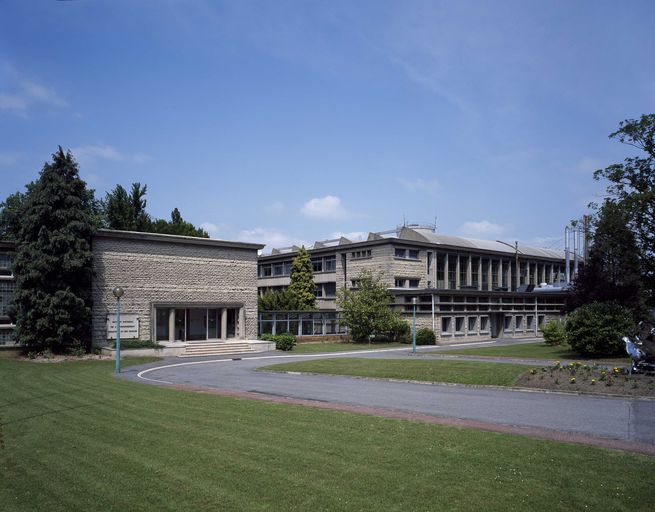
(365, 310)
(597, 329)
(280, 300)
(612, 272)
(177, 226)
(53, 259)
(632, 189)
(302, 287)
(127, 212)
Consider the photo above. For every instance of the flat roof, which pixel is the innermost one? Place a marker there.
(176, 239)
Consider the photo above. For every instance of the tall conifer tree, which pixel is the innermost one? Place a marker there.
(53, 260)
(302, 287)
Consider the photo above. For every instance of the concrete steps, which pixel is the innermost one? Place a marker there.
(215, 348)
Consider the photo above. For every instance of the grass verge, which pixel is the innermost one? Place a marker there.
(531, 351)
(460, 372)
(315, 348)
(76, 438)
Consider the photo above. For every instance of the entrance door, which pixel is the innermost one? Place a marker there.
(180, 324)
(496, 327)
(231, 323)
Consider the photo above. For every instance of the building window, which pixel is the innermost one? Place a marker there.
(508, 322)
(413, 254)
(329, 264)
(318, 291)
(529, 322)
(441, 265)
(413, 283)
(317, 265)
(400, 253)
(278, 269)
(329, 290)
(484, 324)
(358, 255)
(540, 320)
(459, 325)
(265, 271)
(463, 270)
(472, 324)
(6, 291)
(452, 271)
(519, 323)
(446, 325)
(475, 272)
(400, 282)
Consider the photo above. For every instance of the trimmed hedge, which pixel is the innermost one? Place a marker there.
(285, 341)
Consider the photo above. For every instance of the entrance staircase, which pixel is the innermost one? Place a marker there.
(215, 348)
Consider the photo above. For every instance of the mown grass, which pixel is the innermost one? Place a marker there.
(76, 438)
(315, 348)
(460, 372)
(532, 351)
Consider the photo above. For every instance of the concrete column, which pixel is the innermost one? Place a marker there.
(552, 274)
(242, 324)
(536, 273)
(509, 276)
(445, 273)
(480, 273)
(489, 273)
(224, 323)
(171, 324)
(469, 271)
(500, 272)
(457, 267)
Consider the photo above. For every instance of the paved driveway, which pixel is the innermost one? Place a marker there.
(630, 420)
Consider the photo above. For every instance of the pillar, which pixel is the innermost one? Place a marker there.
(241, 328)
(171, 324)
(457, 268)
(224, 323)
(445, 273)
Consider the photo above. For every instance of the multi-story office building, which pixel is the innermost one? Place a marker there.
(459, 287)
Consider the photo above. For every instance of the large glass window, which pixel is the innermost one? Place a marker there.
(452, 271)
(472, 324)
(330, 290)
(6, 291)
(196, 324)
(475, 272)
(446, 325)
(441, 265)
(330, 264)
(463, 270)
(485, 274)
(214, 324)
(161, 328)
(494, 274)
(400, 253)
(317, 265)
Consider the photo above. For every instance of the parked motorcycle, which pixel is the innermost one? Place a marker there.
(641, 348)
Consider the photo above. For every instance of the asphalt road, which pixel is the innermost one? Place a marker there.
(631, 420)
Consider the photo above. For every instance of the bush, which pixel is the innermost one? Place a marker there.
(285, 341)
(425, 336)
(597, 329)
(399, 331)
(554, 333)
(130, 343)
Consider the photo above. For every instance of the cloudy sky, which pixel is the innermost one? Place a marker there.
(288, 121)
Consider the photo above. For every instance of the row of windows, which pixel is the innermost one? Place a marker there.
(480, 325)
(358, 255)
(405, 282)
(301, 324)
(283, 268)
(411, 254)
(6, 290)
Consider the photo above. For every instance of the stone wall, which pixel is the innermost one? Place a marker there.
(170, 272)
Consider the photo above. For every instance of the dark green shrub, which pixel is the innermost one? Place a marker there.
(554, 333)
(597, 329)
(130, 344)
(399, 331)
(425, 336)
(285, 341)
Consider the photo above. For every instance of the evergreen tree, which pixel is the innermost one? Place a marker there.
(11, 213)
(277, 301)
(127, 212)
(177, 226)
(612, 272)
(302, 287)
(53, 260)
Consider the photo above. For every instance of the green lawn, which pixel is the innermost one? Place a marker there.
(76, 438)
(531, 351)
(460, 372)
(314, 348)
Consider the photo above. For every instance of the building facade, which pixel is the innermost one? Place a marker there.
(460, 288)
(177, 288)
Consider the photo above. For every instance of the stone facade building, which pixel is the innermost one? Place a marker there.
(177, 288)
(463, 288)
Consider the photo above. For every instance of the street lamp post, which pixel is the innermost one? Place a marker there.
(414, 329)
(118, 293)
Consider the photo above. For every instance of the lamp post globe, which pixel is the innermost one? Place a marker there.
(118, 292)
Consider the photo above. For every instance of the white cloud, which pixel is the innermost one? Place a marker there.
(272, 238)
(213, 229)
(88, 154)
(9, 158)
(482, 229)
(353, 236)
(328, 207)
(420, 185)
(27, 93)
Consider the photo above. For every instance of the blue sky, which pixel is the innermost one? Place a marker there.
(288, 121)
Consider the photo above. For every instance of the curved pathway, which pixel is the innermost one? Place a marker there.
(606, 421)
